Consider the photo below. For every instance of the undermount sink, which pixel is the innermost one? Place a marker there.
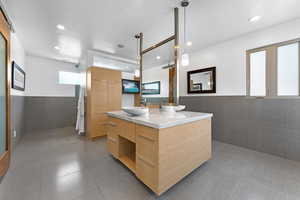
(136, 111)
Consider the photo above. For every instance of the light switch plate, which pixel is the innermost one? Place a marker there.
(15, 133)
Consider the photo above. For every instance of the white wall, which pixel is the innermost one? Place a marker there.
(230, 57)
(157, 74)
(127, 99)
(17, 55)
(42, 77)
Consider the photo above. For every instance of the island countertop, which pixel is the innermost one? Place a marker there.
(159, 120)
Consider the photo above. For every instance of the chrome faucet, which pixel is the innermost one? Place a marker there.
(144, 101)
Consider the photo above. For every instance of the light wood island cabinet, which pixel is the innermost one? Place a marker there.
(160, 157)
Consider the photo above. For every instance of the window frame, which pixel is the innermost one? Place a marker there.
(271, 70)
(71, 72)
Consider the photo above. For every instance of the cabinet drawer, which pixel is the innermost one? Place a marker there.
(128, 131)
(112, 134)
(112, 145)
(122, 128)
(147, 149)
(147, 173)
(98, 129)
(114, 125)
(147, 132)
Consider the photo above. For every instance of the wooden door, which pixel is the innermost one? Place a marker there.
(99, 107)
(114, 95)
(100, 96)
(5, 74)
(104, 94)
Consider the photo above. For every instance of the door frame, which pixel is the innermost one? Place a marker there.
(5, 158)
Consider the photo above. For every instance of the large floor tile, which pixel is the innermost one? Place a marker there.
(60, 165)
(250, 189)
(94, 194)
(210, 185)
(67, 187)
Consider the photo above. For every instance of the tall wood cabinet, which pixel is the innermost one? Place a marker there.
(104, 94)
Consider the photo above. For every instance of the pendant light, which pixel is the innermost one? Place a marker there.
(137, 72)
(185, 58)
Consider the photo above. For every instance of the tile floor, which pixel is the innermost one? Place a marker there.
(58, 165)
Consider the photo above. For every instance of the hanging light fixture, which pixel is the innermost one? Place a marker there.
(137, 72)
(185, 58)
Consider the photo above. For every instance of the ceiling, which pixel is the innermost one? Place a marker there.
(101, 25)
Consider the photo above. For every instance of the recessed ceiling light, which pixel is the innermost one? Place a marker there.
(189, 43)
(57, 48)
(254, 19)
(157, 57)
(60, 27)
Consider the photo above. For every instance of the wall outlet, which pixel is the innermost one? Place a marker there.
(15, 133)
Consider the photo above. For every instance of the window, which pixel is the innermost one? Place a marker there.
(258, 73)
(70, 78)
(288, 70)
(274, 70)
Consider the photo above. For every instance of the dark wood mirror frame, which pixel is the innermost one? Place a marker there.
(210, 69)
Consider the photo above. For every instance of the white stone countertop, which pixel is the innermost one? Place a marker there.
(157, 119)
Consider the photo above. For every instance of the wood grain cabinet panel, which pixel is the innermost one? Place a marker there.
(147, 132)
(147, 173)
(100, 93)
(112, 146)
(147, 150)
(128, 131)
(104, 94)
(115, 125)
(114, 95)
(160, 157)
(113, 128)
(123, 128)
(147, 144)
(147, 156)
(181, 150)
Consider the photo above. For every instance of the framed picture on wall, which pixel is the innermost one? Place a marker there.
(18, 77)
(151, 88)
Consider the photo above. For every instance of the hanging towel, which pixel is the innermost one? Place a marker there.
(80, 112)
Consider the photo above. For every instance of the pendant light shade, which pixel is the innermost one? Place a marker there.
(137, 73)
(185, 60)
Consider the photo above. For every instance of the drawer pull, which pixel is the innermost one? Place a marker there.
(110, 124)
(147, 138)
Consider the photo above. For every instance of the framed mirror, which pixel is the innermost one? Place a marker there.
(151, 88)
(202, 81)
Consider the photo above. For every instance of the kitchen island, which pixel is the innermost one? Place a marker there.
(160, 148)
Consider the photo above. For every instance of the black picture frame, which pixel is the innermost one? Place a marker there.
(16, 68)
(155, 93)
(134, 81)
(210, 69)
